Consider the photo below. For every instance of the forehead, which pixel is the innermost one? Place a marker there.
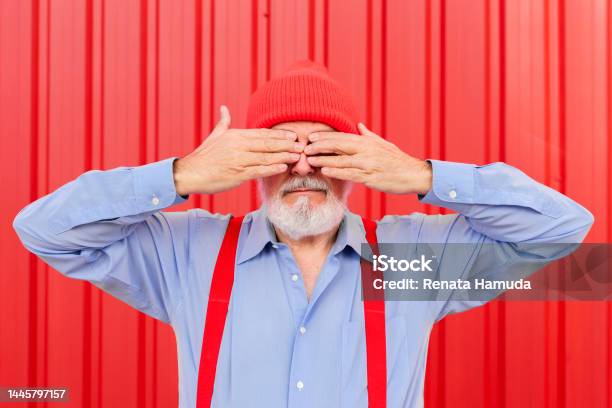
(303, 127)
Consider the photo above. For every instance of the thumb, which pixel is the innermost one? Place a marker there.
(365, 131)
(224, 122)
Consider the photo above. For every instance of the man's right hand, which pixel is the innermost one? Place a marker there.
(228, 157)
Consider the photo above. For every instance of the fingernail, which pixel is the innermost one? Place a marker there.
(299, 147)
(307, 149)
(313, 137)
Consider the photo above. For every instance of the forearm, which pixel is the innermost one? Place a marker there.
(106, 227)
(77, 214)
(504, 204)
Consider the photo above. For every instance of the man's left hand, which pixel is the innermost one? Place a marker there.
(368, 159)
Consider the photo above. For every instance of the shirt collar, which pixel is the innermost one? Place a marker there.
(261, 232)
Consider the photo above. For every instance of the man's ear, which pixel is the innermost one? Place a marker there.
(261, 190)
(347, 190)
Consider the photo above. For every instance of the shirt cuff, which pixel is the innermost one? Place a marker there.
(452, 183)
(154, 185)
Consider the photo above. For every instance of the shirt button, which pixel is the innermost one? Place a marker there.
(299, 385)
(274, 246)
(302, 329)
(155, 200)
(452, 194)
(294, 277)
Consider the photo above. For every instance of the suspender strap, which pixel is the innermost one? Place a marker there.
(374, 316)
(218, 303)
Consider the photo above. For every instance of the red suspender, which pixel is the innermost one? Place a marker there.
(374, 316)
(218, 302)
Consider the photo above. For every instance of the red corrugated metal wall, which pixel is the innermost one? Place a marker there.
(103, 83)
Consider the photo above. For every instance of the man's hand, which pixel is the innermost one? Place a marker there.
(368, 159)
(228, 157)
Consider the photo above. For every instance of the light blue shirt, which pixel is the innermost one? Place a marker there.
(278, 348)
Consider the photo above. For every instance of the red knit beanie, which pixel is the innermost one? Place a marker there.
(305, 91)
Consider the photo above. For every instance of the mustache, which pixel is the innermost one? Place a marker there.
(310, 183)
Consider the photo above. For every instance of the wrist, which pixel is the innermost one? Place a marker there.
(425, 178)
(179, 174)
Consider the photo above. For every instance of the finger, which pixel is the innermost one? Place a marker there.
(365, 131)
(317, 136)
(226, 118)
(264, 171)
(224, 122)
(269, 134)
(266, 159)
(334, 161)
(335, 146)
(348, 174)
(268, 145)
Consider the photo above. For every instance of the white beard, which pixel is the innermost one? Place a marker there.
(302, 219)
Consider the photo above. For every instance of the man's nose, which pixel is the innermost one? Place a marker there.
(302, 167)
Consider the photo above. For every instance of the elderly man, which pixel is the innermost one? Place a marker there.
(296, 331)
